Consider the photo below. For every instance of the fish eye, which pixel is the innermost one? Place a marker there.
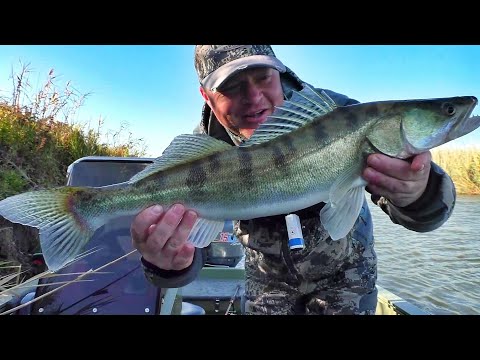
(448, 109)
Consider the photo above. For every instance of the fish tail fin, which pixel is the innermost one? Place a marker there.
(63, 230)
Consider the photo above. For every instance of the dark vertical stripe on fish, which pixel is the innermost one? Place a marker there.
(196, 180)
(279, 159)
(320, 133)
(289, 152)
(214, 163)
(152, 183)
(371, 112)
(287, 140)
(351, 119)
(246, 166)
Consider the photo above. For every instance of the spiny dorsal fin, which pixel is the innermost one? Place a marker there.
(183, 148)
(302, 108)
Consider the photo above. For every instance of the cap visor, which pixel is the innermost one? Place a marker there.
(216, 78)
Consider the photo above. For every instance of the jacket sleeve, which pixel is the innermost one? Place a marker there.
(431, 210)
(172, 278)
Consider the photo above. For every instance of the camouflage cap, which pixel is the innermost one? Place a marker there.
(216, 63)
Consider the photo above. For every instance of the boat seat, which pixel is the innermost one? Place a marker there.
(191, 309)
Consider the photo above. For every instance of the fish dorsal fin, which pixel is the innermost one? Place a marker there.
(301, 109)
(183, 149)
(345, 202)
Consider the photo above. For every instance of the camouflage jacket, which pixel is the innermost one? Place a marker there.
(268, 235)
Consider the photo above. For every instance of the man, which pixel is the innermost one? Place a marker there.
(241, 85)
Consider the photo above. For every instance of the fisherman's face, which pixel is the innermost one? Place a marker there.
(245, 100)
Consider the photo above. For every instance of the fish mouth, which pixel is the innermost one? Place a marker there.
(472, 106)
(465, 123)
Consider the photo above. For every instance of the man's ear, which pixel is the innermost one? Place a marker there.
(204, 94)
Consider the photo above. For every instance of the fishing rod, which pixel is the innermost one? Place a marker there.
(232, 300)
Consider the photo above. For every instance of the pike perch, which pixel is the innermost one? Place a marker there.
(309, 151)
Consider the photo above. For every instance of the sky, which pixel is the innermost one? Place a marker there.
(153, 90)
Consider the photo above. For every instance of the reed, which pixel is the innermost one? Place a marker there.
(39, 136)
(463, 166)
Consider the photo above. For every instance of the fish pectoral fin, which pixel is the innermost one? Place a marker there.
(339, 218)
(183, 149)
(346, 199)
(205, 231)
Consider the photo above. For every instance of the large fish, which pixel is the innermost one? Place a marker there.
(308, 151)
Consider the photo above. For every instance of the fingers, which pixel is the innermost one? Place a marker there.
(391, 167)
(174, 238)
(400, 181)
(421, 161)
(177, 253)
(183, 258)
(161, 236)
(386, 184)
(383, 171)
(143, 221)
(165, 228)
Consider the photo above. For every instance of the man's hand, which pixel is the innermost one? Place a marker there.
(161, 236)
(399, 181)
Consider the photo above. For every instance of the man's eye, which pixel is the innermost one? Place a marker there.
(264, 78)
(230, 88)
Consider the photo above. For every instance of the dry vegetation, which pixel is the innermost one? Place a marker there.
(463, 165)
(39, 138)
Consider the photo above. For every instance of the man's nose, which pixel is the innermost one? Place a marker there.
(252, 93)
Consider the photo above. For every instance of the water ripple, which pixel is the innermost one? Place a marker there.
(438, 271)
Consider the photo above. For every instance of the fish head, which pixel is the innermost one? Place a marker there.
(426, 124)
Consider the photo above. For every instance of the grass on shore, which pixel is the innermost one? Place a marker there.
(463, 166)
(39, 139)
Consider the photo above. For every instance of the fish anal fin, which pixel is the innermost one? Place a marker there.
(205, 231)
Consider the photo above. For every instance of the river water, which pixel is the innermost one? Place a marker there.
(437, 271)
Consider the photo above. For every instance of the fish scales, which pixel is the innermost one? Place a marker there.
(308, 151)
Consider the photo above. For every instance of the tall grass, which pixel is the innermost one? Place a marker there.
(463, 165)
(39, 137)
